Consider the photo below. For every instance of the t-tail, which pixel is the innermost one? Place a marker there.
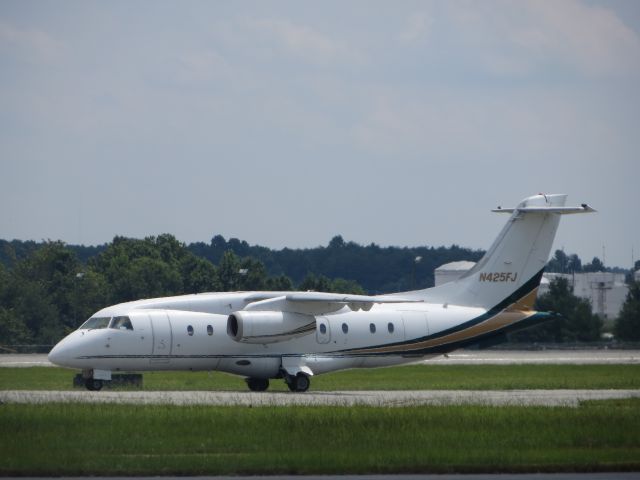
(509, 274)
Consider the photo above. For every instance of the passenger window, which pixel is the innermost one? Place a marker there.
(323, 328)
(372, 327)
(345, 328)
(190, 330)
(209, 330)
(121, 323)
(390, 327)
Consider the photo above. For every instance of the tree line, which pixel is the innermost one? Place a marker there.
(562, 262)
(48, 289)
(376, 269)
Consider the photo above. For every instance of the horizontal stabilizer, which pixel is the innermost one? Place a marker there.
(584, 208)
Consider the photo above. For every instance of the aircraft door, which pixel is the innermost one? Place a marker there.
(133, 337)
(162, 337)
(323, 330)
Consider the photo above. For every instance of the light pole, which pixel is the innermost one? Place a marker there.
(416, 261)
(79, 276)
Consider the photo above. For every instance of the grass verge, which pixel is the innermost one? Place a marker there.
(78, 439)
(413, 377)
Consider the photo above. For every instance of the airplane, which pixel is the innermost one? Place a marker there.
(297, 335)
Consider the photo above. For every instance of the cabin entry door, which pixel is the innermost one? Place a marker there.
(162, 337)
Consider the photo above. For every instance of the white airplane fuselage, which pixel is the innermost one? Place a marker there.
(295, 335)
(161, 338)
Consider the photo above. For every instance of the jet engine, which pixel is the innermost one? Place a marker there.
(268, 326)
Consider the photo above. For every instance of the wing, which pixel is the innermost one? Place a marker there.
(318, 303)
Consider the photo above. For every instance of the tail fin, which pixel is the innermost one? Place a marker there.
(510, 271)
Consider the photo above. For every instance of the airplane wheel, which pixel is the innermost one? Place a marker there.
(299, 383)
(93, 384)
(257, 384)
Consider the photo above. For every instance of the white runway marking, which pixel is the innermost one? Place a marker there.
(342, 398)
(514, 357)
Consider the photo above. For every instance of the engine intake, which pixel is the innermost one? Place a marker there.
(268, 327)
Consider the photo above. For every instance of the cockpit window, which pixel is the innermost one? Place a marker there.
(121, 323)
(95, 322)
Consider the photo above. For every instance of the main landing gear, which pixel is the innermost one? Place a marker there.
(296, 383)
(257, 384)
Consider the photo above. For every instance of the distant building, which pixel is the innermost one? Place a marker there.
(605, 290)
(451, 271)
(636, 276)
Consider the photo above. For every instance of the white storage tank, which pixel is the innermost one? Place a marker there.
(451, 271)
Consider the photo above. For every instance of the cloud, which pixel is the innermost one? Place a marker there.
(29, 44)
(501, 93)
(454, 126)
(306, 43)
(529, 36)
(591, 37)
(417, 27)
(402, 126)
(203, 66)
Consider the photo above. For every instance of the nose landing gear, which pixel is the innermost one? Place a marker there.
(93, 384)
(94, 378)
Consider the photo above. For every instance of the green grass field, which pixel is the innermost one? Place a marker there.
(81, 439)
(74, 439)
(414, 377)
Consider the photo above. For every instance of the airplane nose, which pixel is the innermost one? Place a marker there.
(58, 354)
(67, 351)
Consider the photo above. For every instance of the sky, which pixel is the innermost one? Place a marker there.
(286, 123)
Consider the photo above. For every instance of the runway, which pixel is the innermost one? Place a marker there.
(515, 357)
(459, 357)
(377, 398)
(20, 360)
(372, 398)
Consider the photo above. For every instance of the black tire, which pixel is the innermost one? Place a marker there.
(299, 383)
(93, 384)
(257, 384)
(302, 382)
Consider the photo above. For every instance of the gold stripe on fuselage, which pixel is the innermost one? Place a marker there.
(514, 313)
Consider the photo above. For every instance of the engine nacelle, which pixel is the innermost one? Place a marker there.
(268, 327)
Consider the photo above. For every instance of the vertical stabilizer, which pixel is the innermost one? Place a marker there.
(510, 271)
